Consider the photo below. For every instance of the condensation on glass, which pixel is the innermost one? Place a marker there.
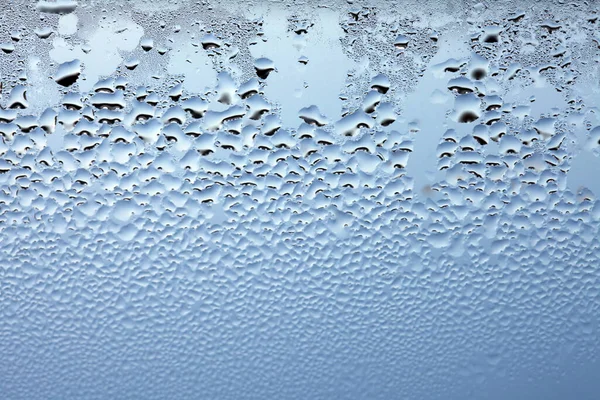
(325, 200)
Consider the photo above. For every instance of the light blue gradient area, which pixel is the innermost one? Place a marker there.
(284, 200)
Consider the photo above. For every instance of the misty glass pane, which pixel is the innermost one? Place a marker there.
(299, 200)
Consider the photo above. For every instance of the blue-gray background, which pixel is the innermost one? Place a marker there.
(404, 206)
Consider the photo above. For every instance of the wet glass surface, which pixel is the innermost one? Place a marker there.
(325, 200)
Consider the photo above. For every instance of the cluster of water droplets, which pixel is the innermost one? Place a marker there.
(157, 240)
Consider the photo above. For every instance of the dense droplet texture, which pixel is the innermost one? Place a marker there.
(299, 200)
